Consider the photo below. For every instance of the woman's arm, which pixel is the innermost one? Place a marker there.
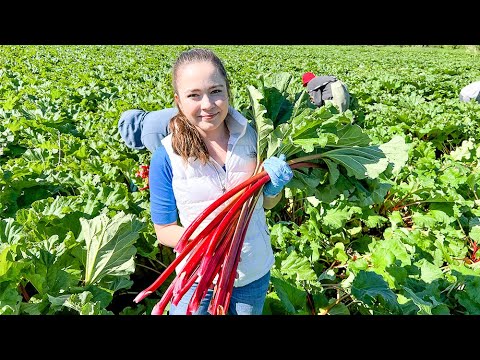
(169, 234)
(270, 201)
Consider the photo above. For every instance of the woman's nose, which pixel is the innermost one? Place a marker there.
(207, 102)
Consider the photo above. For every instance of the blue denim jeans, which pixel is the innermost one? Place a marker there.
(245, 300)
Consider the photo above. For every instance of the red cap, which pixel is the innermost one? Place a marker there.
(307, 77)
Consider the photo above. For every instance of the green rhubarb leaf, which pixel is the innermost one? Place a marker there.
(472, 288)
(51, 278)
(396, 151)
(471, 307)
(338, 253)
(375, 221)
(470, 296)
(463, 151)
(6, 137)
(429, 272)
(352, 135)
(109, 242)
(308, 145)
(280, 235)
(371, 288)
(292, 298)
(388, 251)
(432, 219)
(274, 141)
(453, 176)
(115, 198)
(309, 179)
(92, 205)
(115, 283)
(360, 162)
(475, 234)
(35, 307)
(10, 231)
(10, 267)
(328, 193)
(82, 303)
(297, 267)
(335, 219)
(52, 208)
(10, 299)
(263, 125)
(424, 307)
(303, 131)
(339, 309)
(333, 172)
(275, 91)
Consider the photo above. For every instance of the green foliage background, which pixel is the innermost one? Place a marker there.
(404, 244)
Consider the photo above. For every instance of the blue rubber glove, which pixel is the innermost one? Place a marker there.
(279, 172)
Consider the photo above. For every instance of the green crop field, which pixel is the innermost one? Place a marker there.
(75, 229)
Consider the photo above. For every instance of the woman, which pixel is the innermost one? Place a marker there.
(210, 149)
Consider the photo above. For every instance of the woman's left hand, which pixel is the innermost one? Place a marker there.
(280, 174)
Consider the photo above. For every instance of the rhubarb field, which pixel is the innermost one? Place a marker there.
(385, 222)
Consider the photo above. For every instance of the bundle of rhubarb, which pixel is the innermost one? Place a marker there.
(310, 138)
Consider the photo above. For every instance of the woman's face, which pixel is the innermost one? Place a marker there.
(202, 95)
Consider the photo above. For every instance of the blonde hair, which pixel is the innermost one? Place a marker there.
(186, 140)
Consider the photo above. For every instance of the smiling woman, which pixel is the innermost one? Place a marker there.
(207, 153)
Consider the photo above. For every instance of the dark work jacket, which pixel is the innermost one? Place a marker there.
(320, 89)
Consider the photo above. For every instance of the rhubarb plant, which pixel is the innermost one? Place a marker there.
(287, 125)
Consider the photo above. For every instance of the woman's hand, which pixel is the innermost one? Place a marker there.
(280, 174)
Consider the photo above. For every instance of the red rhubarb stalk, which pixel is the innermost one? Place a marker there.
(236, 207)
(213, 206)
(207, 278)
(213, 223)
(228, 272)
(192, 267)
(159, 307)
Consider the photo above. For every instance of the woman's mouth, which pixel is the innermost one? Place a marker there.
(208, 116)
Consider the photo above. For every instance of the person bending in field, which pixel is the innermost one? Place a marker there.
(324, 89)
(210, 149)
(142, 129)
(470, 91)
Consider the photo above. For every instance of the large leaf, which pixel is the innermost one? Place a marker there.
(10, 231)
(292, 298)
(10, 299)
(360, 162)
(396, 151)
(371, 288)
(275, 88)
(263, 125)
(298, 267)
(352, 135)
(109, 242)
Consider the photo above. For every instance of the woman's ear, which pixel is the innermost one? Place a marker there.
(177, 102)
